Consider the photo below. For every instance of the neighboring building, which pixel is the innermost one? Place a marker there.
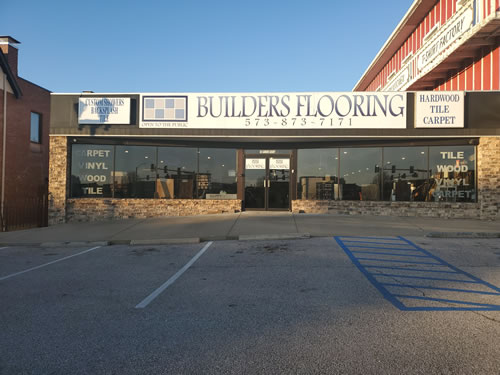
(395, 153)
(24, 144)
(444, 45)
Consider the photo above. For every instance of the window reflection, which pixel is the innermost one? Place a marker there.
(405, 173)
(135, 172)
(176, 173)
(360, 173)
(217, 173)
(317, 174)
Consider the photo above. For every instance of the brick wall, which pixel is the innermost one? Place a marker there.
(89, 209)
(26, 162)
(488, 172)
(59, 171)
(425, 209)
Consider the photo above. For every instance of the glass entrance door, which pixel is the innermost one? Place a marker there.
(267, 182)
(279, 183)
(256, 183)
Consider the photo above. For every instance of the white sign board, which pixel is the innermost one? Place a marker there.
(457, 26)
(279, 163)
(399, 81)
(315, 110)
(103, 110)
(439, 109)
(255, 163)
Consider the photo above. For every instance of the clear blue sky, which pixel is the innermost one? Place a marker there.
(198, 46)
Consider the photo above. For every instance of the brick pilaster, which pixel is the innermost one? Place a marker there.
(488, 175)
(58, 179)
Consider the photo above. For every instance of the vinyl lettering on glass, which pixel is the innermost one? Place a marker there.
(91, 169)
(453, 174)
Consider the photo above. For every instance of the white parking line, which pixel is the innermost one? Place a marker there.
(146, 301)
(47, 264)
(1, 248)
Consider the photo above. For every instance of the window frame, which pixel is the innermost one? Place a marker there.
(39, 127)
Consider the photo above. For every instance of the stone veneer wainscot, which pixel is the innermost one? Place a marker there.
(92, 209)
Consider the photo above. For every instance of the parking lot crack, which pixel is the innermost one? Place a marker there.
(295, 222)
(487, 317)
(128, 228)
(410, 286)
(232, 226)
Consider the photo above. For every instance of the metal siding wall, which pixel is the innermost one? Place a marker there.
(496, 69)
(473, 77)
(438, 12)
(486, 68)
(449, 8)
(461, 80)
(477, 75)
(469, 75)
(443, 11)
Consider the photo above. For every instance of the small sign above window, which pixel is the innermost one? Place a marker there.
(255, 163)
(279, 163)
(439, 109)
(103, 111)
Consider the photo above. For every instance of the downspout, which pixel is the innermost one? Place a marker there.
(4, 143)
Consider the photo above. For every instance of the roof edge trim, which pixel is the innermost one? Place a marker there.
(360, 85)
(10, 76)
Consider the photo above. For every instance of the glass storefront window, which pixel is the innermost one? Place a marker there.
(91, 171)
(360, 173)
(176, 173)
(135, 172)
(405, 174)
(217, 174)
(433, 174)
(317, 174)
(452, 170)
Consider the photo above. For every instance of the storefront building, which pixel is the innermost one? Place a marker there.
(413, 139)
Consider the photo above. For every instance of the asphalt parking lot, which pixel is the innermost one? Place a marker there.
(326, 305)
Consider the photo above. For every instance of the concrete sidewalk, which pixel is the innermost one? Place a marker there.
(245, 226)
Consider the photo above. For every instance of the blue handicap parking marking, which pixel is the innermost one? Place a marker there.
(413, 279)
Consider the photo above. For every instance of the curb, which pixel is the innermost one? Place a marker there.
(73, 243)
(285, 236)
(463, 235)
(166, 241)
